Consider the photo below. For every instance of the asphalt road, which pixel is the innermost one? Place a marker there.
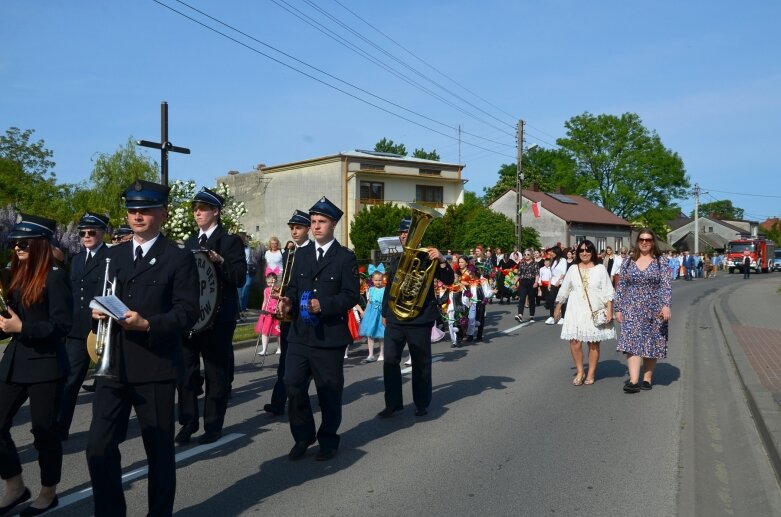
(507, 434)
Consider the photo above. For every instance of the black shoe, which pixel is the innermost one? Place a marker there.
(389, 411)
(325, 453)
(453, 345)
(88, 387)
(184, 434)
(209, 437)
(275, 410)
(470, 338)
(13, 504)
(631, 387)
(29, 511)
(298, 450)
(421, 411)
(646, 386)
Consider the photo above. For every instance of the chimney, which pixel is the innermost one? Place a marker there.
(233, 173)
(535, 187)
(560, 190)
(260, 166)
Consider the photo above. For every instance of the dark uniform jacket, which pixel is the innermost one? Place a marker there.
(232, 273)
(87, 283)
(164, 290)
(37, 353)
(334, 283)
(429, 313)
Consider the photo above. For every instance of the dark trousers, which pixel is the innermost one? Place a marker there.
(550, 302)
(44, 399)
(746, 271)
(279, 394)
(527, 292)
(215, 345)
(79, 363)
(154, 406)
(325, 366)
(480, 319)
(418, 338)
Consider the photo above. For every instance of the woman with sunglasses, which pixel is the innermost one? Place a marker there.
(643, 298)
(586, 288)
(40, 311)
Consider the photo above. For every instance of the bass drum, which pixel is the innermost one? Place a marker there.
(209, 292)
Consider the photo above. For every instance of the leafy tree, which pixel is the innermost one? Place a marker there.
(33, 158)
(425, 155)
(387, 146)
(720, 210)
(112, 174)
(374, 222)
(549, 169)
(623, 166)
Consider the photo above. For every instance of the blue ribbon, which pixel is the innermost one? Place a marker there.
(310, 319)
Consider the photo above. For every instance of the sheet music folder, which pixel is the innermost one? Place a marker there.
(110, 306)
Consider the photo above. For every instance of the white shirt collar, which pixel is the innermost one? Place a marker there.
(94, 251)
(145, 247)
(305, 243)
(325, 246)
(208, 232)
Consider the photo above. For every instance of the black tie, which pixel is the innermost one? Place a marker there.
(319, 254)
(139, 256)
(89, 258)
(202, 241)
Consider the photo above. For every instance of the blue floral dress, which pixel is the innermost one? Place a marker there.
(640, 296)
(371, 325)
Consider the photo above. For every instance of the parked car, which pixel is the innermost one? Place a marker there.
(777, 260)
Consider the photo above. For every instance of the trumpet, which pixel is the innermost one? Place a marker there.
(286, 275)
(100, 342)
(3, 304)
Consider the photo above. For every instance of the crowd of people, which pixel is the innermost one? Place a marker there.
(317, 302)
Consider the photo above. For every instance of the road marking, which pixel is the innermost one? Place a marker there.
(517, 327)
(434, 359)
(141, 472)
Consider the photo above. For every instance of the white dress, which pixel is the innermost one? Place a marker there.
(577, 321)
(273, 259)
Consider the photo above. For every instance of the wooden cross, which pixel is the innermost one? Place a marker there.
(164, 145)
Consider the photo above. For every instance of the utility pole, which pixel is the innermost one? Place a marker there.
(164, 145)
(519, 184)
(696, 218)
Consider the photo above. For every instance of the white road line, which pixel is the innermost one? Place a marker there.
(517, 327)
(434, 359)
(141, 472)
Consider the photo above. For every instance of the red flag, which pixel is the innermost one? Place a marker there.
(536, 207)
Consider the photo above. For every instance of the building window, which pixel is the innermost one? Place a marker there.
(579, 239)
(429, 195)
(619, 244)
(601, 244)
(372, 166)
(257, 227)
(430, 172)
(372, 192)
(710, 229)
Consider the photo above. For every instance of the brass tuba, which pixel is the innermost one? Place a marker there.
(412, 280)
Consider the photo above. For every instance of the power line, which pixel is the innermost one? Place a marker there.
(743, 194)
(401, 62)
(405, 49)
(310, 76)
(354, 48)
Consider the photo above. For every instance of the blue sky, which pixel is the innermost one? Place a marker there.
(86, 75)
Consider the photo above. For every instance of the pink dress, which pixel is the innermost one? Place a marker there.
(267, 325)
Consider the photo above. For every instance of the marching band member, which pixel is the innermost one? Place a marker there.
(299, 233)
(123, 233)
(158, 281)
(39, 316)
(416, 333)
(326, 272)
(88, 268)
(214, 344)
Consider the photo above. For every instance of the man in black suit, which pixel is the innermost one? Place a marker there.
(299, 233)
(327, 274)
(416, 333)
(88, 269)
(214, 344)
(158, 281)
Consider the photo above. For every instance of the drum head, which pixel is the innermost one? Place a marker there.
(209, 291)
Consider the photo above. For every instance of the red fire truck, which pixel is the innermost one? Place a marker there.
(760, 250)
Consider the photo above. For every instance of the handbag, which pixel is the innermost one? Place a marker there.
(599, 316)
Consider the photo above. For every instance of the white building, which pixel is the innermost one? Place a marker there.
(352, 180)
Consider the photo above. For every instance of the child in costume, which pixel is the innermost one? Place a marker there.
(371, 326)
(267, 325)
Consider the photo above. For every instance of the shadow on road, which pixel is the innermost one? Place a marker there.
(280, 474)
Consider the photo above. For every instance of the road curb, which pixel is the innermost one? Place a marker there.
(761, 403)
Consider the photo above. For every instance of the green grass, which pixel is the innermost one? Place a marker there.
(244, 333)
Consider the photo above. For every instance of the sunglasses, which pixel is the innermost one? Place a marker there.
(84, 233)
(584, 251)
(648, 241)
(21, 245)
